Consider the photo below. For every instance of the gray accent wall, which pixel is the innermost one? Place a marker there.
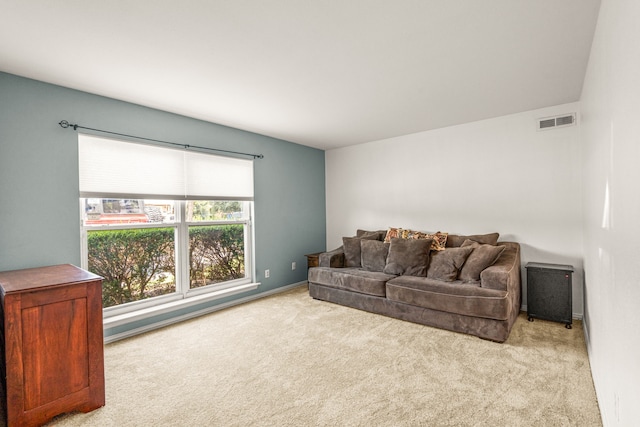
(39, 212)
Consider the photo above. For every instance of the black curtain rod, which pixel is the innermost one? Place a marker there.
(65, 124)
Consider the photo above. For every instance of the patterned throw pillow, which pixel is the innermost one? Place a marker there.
(391, 234)
(439, 239)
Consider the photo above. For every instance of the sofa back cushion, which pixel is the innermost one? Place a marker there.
(455, 241)
(408, 256)
(374, 235)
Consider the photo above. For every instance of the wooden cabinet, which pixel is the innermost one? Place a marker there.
(313, 260)
(52, 343)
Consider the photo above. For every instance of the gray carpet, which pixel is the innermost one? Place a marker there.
(289, 360)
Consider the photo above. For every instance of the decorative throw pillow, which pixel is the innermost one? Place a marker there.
(351, 247)
(352, 253)
(439, 238)
(455, 241)
(445, 265)
(392, 233)
(408, 256)
(374, 254)
(482, 257)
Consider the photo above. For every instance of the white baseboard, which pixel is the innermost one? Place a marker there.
(177, 319)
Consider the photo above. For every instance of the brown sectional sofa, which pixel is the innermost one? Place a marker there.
(486, 308)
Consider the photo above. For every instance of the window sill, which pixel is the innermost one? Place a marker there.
(145, 313)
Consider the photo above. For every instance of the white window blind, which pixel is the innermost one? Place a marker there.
(110, 168)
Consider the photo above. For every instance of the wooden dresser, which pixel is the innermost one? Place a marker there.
(52, 343)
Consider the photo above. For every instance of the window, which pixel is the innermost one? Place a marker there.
(161, 225)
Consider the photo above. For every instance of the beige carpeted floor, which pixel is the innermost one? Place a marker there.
(289, 360)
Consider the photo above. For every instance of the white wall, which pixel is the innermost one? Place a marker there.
(611, 147)
(499, 175)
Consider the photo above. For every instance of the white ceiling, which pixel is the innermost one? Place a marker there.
(321, 73)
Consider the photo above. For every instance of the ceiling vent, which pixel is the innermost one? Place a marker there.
(557, 121)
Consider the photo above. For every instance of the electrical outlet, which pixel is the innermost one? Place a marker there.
(267, 273)
(293, 265)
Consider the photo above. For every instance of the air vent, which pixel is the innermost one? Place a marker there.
(558, 121)
(547, 123)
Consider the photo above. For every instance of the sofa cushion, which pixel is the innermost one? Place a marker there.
(352, 279)
(455, 241)
(352, 253)
(482, 257)
(445, 265)
(373, 254)
(453, 297)
(408, 256)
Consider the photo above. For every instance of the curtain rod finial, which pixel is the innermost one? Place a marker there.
(260, 156)
(65, 124)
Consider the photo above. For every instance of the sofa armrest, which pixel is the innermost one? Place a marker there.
(504, 274)
(334, 258)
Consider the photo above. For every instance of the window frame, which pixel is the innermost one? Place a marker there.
(183, 290)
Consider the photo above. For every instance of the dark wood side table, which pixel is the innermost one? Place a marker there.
(549, 293)
(313, 260)
(52, 343)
